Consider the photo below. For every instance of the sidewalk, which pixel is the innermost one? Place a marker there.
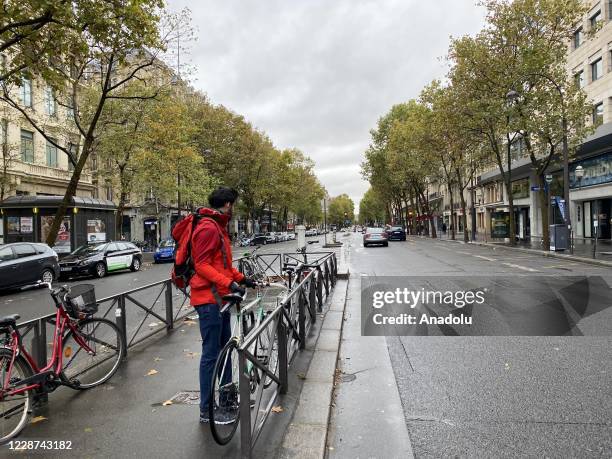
(583, 249)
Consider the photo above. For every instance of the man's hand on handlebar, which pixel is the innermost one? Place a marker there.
(249, 282)
(235, 288)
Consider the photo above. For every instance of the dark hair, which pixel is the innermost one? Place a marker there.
(222, 195)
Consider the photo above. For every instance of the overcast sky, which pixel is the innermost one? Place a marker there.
(317, 74)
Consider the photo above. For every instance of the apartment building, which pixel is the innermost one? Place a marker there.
(589, 63)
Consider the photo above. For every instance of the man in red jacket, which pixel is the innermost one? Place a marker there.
(214, 277)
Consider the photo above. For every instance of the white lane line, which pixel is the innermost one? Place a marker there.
(524, 268)
(464, 253)
(485, 258)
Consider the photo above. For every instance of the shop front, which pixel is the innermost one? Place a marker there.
(29, 219)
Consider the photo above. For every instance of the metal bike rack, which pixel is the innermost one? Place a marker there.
(308, 294)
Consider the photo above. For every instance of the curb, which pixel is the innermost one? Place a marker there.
(306, 435)
(590, 261)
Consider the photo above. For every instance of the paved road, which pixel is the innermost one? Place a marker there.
(492, 396)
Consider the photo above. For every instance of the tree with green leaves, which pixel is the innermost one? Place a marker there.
(341, 208)
(108, 45)
(371, 208)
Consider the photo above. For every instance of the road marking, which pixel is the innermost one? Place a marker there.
(485, 258)
(464, 253)
(525, 268)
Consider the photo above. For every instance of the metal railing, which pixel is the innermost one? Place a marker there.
(288, 324)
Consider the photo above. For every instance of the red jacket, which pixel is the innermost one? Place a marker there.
(208, 259)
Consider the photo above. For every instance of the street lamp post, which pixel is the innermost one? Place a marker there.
(548, 178)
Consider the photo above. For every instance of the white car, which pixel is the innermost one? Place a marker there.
(291, 236)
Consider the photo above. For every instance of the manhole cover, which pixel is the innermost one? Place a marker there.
(348, 377)
(187, 397)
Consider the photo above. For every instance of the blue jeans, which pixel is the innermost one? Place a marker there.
(216, 331)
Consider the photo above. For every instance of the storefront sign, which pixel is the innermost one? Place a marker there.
(520, 188)
(500, 224)
(597, 170)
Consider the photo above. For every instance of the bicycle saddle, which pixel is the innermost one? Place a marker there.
(289, 269)
(233, 298)
(9, 320)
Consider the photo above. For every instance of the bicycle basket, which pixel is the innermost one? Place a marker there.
(81, 301)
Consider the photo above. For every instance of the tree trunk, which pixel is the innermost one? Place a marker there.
(69, 194)
(451, 195)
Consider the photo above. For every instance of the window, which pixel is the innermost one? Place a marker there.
(27, 146)
(579, 79)
(109, 193)
(74, 151)
(578, 38)
(596, 70)
(6, 253)
(26, 92)
(593, 20)
(112, 247)
(70, 108)
(50, 105)
(598, 113)
(51, 154)
(24, 250)
(122, 246)
(2, 62)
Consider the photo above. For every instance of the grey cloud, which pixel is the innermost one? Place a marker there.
(317, 74)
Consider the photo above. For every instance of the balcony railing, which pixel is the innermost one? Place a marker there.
(38, 170)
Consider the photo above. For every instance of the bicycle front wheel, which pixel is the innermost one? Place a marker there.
(91, 353)
(14, 409)
(224, 404)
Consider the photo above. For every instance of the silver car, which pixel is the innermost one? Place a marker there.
(375, 236)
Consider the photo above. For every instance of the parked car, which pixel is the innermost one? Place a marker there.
(283, 236)
(165, 251)
(100, 258)
(396, 233)
(270, 238)
(291, 236)
(375, 236)
(311, 232)
(26, 263)
(259, 239)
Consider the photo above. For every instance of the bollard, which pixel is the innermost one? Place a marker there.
(169, 310)
(312, 300)
(301, 237)
(244, 386)
(319, 291)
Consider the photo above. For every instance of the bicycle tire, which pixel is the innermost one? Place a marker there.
(26, 371)
(223, 434)
(112, 336)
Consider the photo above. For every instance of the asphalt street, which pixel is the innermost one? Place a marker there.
(478, 396)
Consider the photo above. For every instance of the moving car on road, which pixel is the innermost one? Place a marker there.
(165, 251)
(26, 263)
(375, 236)
(100, 258)
(396, 233)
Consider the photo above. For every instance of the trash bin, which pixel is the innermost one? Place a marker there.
(559, 237)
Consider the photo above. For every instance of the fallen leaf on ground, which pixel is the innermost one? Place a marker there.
(151, 372)
(158, 359)
(38, 419)
(167, 402)
(153, 324)
(192, 354)
(301, 375)
(87, 429)
(277, 409)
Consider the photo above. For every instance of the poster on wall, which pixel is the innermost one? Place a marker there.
(27, 225)
(62, 242)
(12, 225)
(96, 231)
(500, 224)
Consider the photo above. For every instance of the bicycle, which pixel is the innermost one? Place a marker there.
(225, 392)
(87, 351)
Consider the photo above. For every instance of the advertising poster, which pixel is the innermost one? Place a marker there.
(500, 224)
(12, 225)
(62, 242)
(96, 231)
(27, 225)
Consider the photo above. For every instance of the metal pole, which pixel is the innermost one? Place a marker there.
(169, 311)
(245, 407)
(281, 334)
(566, 184)
(39, 351)
(121, 321)
(301, 319)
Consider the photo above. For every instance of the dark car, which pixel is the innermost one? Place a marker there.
(259, 239)
(165, 251)
(100, 258)
(26, 263)
(396, 233)
(375, 236)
